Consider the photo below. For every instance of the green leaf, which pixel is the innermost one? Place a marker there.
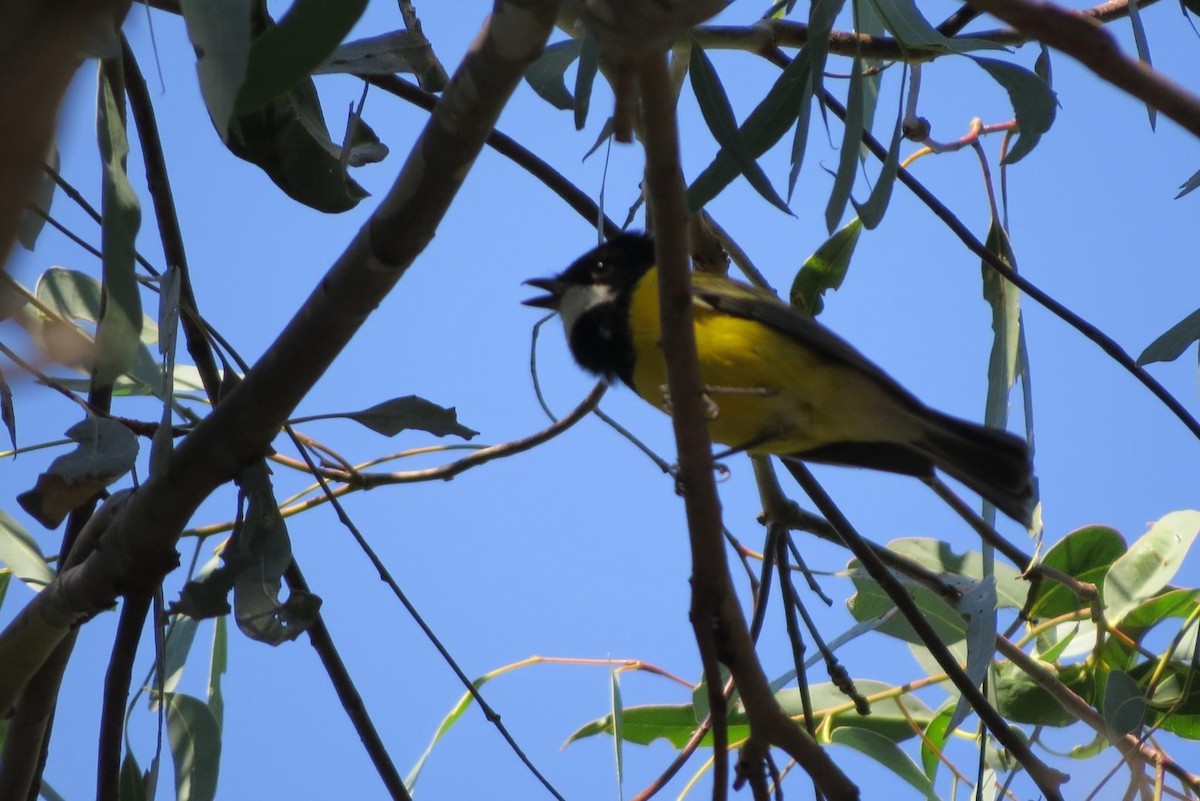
(289, 140)
(963, 569)
(217, 665)
(1143, 49)
(1034, 103)
(1021, 700)
(1124, 706)
(1171, 344)
(545, 75)
(764, 126)
(410, 412)
(871, 212)
(642, 725)
(815, 54)
(8, 412)
(220, 34)
(1149, 563)
(886, 718)
(937, 732)
(847, 170)
(904, 19)
(618, 716)
(195, 740)
(1004, 300)
(886, 753)
(118, 335)
(19, 552)
(1190, 184)
(585, 77)
(41, 195)
(1086, 554)
(257, 554)
(180, 636)
(978, 607)
(133, 783)
(825, 269)
(285, 54)
(718, 114)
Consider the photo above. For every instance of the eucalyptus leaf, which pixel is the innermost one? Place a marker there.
(388, 54)
(847, 169)
(546, 75)
(410, 412)
(195, 740)
(1124, 706)
(1171, 344)
(585, 77)
(887, 754)
(1190, 184)
(1151, 561)
(825, 269)
(119, 331)
(718, 114)
(220, 34)
(19, 553)
(284, 54)
(1034, 103)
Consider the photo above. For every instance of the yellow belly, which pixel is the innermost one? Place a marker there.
(766, 390)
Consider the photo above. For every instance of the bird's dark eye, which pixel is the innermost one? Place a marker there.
(601, 270)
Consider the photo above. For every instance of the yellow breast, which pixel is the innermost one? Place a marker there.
(765, 389)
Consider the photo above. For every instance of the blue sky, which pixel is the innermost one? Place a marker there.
(578, 548)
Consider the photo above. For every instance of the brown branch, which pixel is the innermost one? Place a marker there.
(715, 613)
(116, 695)
(1046, 778)
(347, 693)
(1084, 40)
(766, 35)
(140, 544)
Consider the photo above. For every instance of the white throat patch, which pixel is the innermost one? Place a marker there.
(578, 299)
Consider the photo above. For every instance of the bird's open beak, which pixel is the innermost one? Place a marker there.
(552, 285)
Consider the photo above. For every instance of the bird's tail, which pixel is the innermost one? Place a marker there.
(991, 462)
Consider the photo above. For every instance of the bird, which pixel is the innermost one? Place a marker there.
(775, 380)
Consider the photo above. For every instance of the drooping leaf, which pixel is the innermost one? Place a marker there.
(871, 212)
(545, 75)
(978, 607)
(1149, 564)
(1143, 50)
(132, 782)
(257, 555)
(8, 412)
(825, 269)
(218, 664)
(847, 169)
(585, 77)
(220, 34)
(1034, 102)
(180, 636)
(764, 126)
(119, 333)
(19, 552)
(1191, 183)
(41, 195)
(905, 20)
(284, 54)
(195, 740)
(887, 754)
(933, 743)
(618, 716)
(289, 140)
(718, 114)
(1171, 344)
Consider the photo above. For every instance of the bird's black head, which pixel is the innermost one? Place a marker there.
(592, 297)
